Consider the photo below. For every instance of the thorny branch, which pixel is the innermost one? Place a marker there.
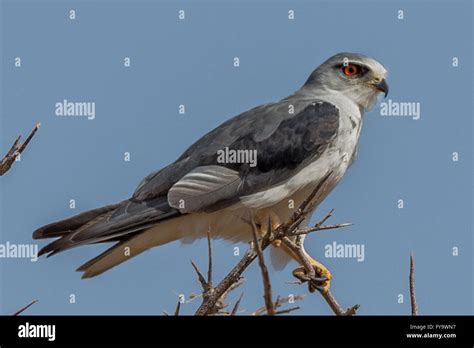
(5, 164)
(209, 265)
(16, 149)
(267, 288)
(178, 307)
(21, 310)
(220, 305)
(286, 229)
(280, 301)
(208, 290)
(221, 302)
(236, 306)
(414, 306)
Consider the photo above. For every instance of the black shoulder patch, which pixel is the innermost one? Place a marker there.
(299, 137)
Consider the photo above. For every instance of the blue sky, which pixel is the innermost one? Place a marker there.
(190, 62)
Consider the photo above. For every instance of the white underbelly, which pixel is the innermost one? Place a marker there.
(336, 159)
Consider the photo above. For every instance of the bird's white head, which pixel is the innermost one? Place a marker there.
(357, 77)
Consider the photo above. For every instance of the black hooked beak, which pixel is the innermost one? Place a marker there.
(382, 86)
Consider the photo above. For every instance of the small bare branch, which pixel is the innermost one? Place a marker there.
(178, 307)
(18, 312)
(286, 311)
(414, 306)
(336, 308)
(352, 310)
(233, 276)
(236, 306)
(309, 202)
(323, 220)
(192, 297)
(221, 302)
(280, 301)
(201, 278)
(207, 288)
(16, 149)
(319, 228)
(267, 288)
(206, 284)
(209, 254)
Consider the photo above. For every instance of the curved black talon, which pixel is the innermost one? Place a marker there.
(314, 283)
(317, 284)
(312, 287)
(306, 278)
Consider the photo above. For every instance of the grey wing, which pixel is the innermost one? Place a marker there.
(149, 204)
(198, 182)
(295, 142)
(255, 125)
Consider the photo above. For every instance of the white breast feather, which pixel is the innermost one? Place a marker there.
(335, 158)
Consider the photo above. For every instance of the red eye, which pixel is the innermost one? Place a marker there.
(350, 70)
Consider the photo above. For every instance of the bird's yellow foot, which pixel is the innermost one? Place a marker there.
(276, 243)
(321, 282)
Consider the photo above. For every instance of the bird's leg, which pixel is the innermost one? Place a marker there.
(266, 218)
(323, 274)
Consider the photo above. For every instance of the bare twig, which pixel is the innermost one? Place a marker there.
(319, 228)
(220, 304)
(5, 164)
(286, 311)
(319, 225)
(16, 149)
(280, 301)
(208, 304)
(209, 254)
(206, 284)
(236, 306)
(267, 288)
(201, 278)
(414, 306)
(18, 312)
(336, 308)
(207, 288)
(178, 307)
